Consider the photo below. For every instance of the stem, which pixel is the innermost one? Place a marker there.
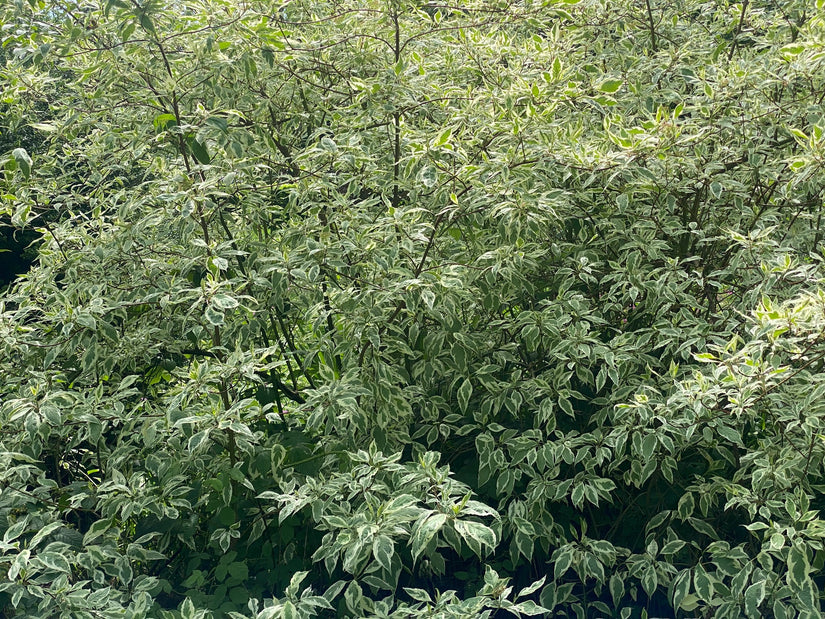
(738, 30)
(652, 27)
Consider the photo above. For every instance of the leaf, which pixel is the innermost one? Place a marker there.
(798, 566)
(793, 49)
(730, 434)
(146, 23)
(45, 532)
(124, 570)
(197, 440)
(443, 138)
(528, 607)
(563, 563)
(680, 588)
(531, 588)
(557, 68)
(650, 580)
(213, 316)
(428, 176)
(753, 598)
(96, 530)
(423, 532)
(702, 583)
(288, 611)
(162, 122)
(610, 86)
(686, 506)
(465, 391)
(476, 535)
(672, 547)
(648, 446)
(328, 144)
(54, 561)
(23, 160)
(223, 302)
(703, 527)
(45, 127)
(419, 595)
(199, 151)
(353, 596)
(15, 530)
(616, 586)
(566, 406)
(383, 550)
(187, 609)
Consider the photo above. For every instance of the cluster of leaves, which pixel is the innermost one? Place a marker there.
(401, 309)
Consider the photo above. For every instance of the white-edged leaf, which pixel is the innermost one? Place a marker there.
(45, 531)
(798, 566)
(196, 440)
(680, 588)
(476, 535)
(753, 598)
(531, 588)
(383, 550)
(54, 561)
(464, 393)
(423, 532)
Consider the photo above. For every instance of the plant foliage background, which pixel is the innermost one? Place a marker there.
(383, 308)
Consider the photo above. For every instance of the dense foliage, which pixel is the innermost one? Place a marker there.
(382, 308)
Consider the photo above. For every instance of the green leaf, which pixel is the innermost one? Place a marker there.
(616, 585)
(730, 434)
(96, 530)
(798, 566)
(703, 527)
(45, 532)
(672, 547)
(223, 302)
(45, 127)
(650, 580)
(702, 584)
(753, 598)
(162, 122)
(213, 316)
(465, 391)
(531, 588)
(610, 85)
(648, 446)
(557, 68)
(562, 563)
(353, 596)
(383, 550)
(288, 611)
(424, 530)
(686, 506)
(443, 138)
(528, 607)
(54, 561)
(23, 160)
(197, 440)
(187, 609)
(680, 588)
(476, 535)
(124, 570)
(199, 151)
(146, 23)
(419, 595)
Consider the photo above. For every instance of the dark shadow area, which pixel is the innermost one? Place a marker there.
(18, 251)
